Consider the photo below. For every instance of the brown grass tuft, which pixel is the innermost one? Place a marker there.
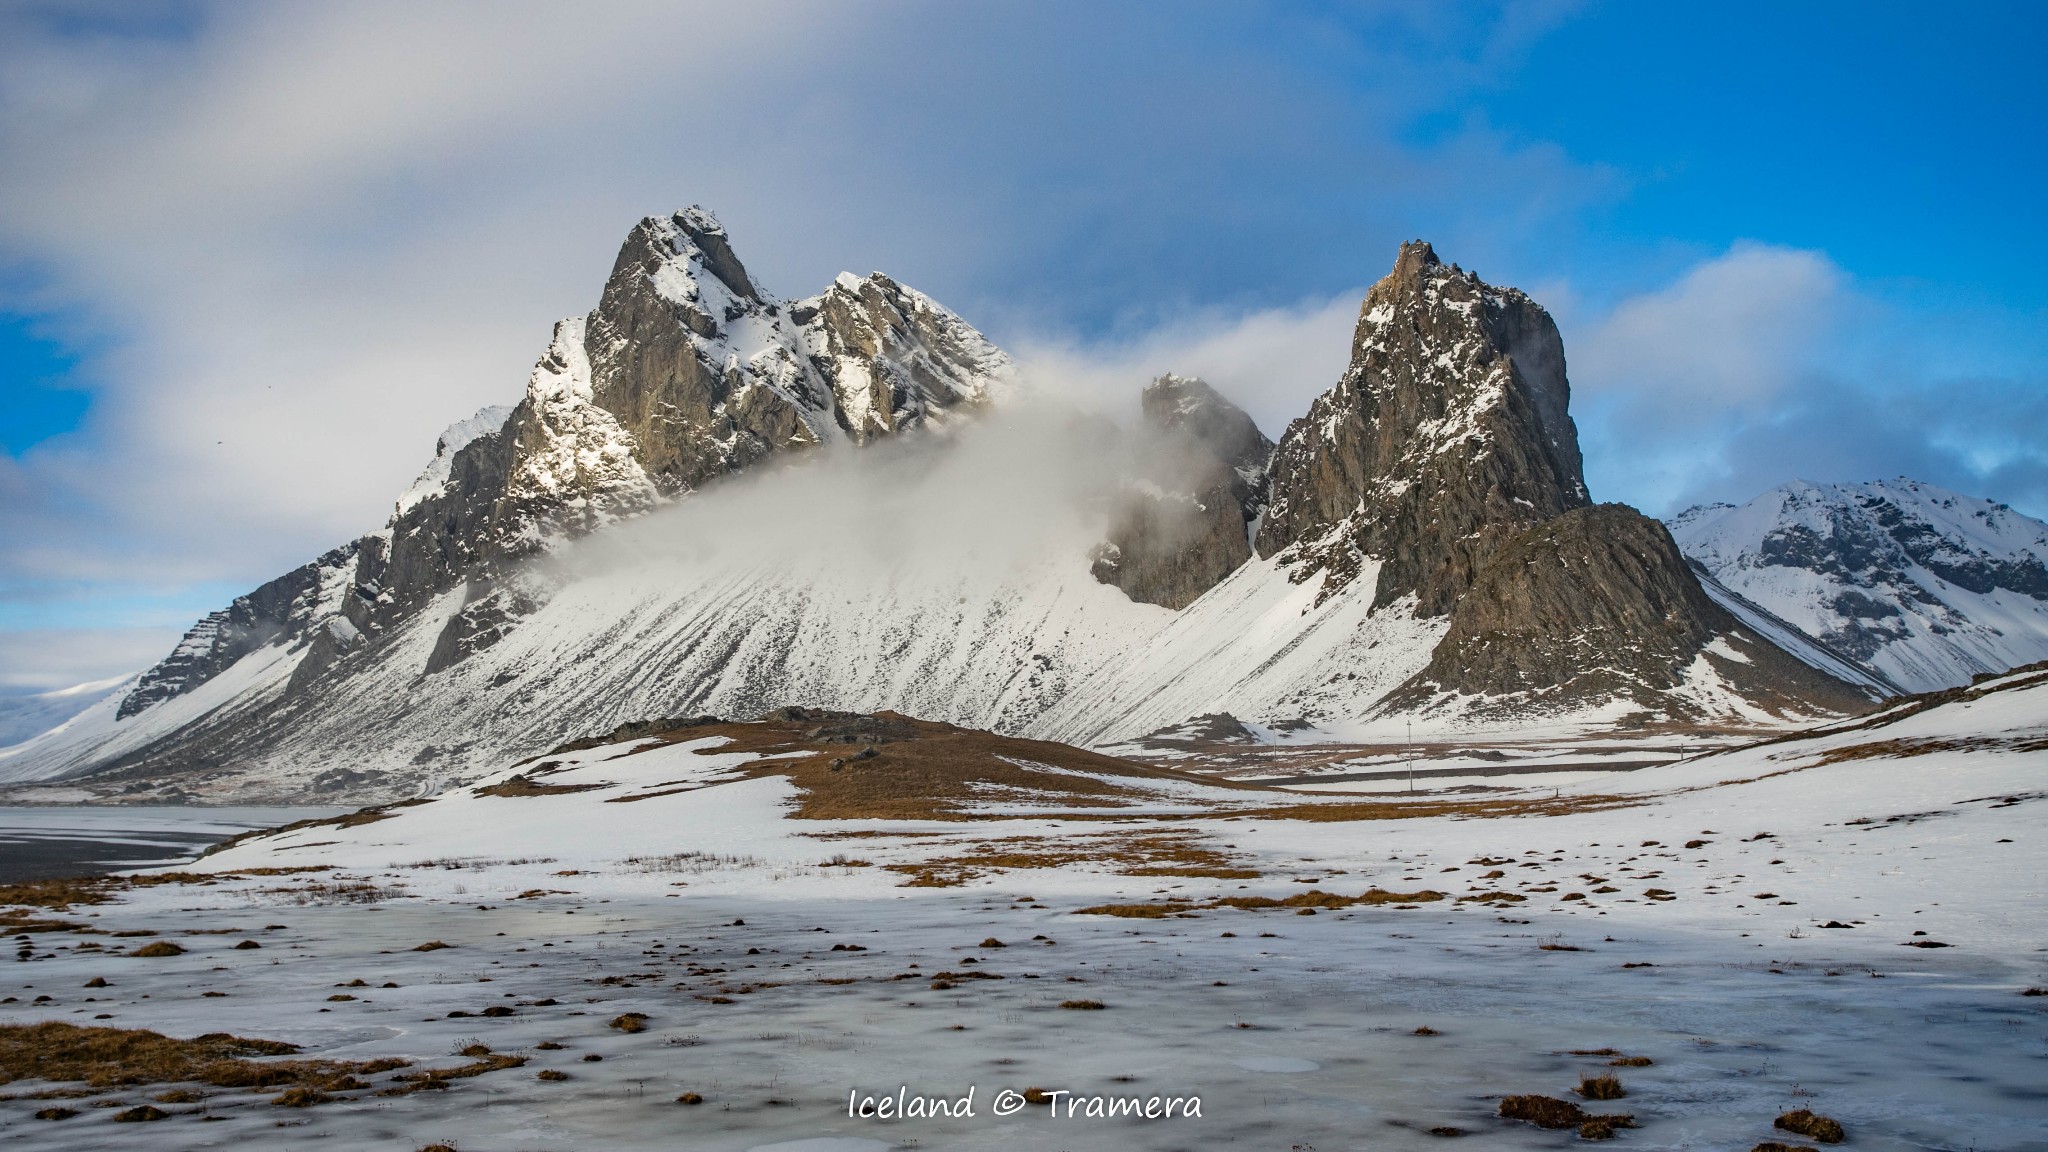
(525, 785)
(1542, 1111)
(437, 1078)
(1084, 1005)
(1135, 911)
(1603, 1087)
(301, 1098)
(629, 1022)
(1811, 1126)
(159, 948)
(1603, 1127)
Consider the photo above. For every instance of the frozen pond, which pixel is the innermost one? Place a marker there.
(44, 842)
(1291, 1030)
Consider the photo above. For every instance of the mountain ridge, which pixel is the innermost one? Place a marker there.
(1303, 583)
(1922, 586)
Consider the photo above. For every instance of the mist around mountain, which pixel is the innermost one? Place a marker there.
(714, 500)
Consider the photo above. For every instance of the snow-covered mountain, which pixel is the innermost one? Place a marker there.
(1922, 586)
(612, 548)
(28, 714)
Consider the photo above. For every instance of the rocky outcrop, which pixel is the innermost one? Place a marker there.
(282, 611)
(1447, 436)
(1183, 523)
(1185, 406)
(1597, 604)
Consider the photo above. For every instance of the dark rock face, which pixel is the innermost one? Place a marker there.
(1183, 526)
(1186, 406)
(654, 344)
(1446, 437)
(280, 611)
(1598, 603)
(1169, 548)
(489, 616)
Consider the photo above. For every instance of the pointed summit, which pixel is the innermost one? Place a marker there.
(714, 249)
(1447, 435)
(1415, 258)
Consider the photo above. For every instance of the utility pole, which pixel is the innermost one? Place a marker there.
(1411, 755)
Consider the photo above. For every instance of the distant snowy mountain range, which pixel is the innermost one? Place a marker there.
(623, 543)
(1924, 587)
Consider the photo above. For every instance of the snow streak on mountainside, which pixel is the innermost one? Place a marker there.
(1924, 586)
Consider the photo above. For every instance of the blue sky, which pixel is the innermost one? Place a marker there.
(253, 257)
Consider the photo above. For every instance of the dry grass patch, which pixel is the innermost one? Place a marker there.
(59, 895)
(1167, 853)
(1542, 1111)
(1138, 911)
(159, 948)
(437, 1078)
(1549, 1112)
(1301, 902)
(110, 1057)
(892, 767)
(525, 785)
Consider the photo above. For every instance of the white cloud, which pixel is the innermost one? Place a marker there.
(1270, 362)
(45, 659)
(1768, 364)
(297, 240)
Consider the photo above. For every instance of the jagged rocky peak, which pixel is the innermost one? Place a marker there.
(896, 358)
(1199, 482)
(1448, 435)
(1597, 605)
(687, 370)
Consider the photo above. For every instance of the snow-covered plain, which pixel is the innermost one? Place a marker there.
(1679, 913)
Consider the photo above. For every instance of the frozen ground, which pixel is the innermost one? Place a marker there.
(44, 841)
(1698, 938)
